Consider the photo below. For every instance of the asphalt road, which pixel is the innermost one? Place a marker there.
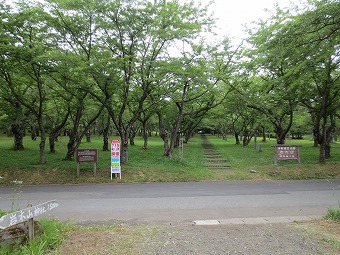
(172, 203)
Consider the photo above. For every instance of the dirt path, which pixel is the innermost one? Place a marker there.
(261, 239)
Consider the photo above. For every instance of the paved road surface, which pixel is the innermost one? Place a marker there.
(177, 203)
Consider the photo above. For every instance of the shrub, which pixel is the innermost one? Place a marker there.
(333, 214)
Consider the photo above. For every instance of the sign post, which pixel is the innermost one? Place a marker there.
(27, 214)
(286, 152)
(87, 155)
(180, 149)
(115, 158)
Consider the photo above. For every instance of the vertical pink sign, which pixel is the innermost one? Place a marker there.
(115, 158)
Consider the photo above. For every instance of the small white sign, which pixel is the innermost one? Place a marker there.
(26, 214)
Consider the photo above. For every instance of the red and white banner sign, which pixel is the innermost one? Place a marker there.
(115, 158)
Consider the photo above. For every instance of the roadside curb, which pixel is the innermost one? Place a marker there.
(257, 220)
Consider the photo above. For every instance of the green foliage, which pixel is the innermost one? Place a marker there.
(332, 235)
(2, 213)
(333, 214)
(149, 165)
(118, 55)
(295, 55)
(52, 236)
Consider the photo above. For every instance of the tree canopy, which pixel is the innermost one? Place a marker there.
(127, 67)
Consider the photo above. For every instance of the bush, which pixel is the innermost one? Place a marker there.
(333, 214)
(2, 213)
(44, 243)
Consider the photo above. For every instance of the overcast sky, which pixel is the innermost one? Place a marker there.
(233, 13)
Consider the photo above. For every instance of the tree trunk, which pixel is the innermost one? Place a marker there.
(132, 135)
(75, 137)
(162, 132)
(324, 140)
(42, 145)
(174, 138)
(124, 158)
(246, 138)
(316, 127)
(51, 140)
(189, 130)
(329, 134)
(145, 144)
(145, 133)
(280, 135)
(175, 131)
(322, 151)
(187, 136)
(106, 134)
(88, 136)
(327, 150)
(18, 131)
(316, 137)
(264, 138)
(105, 141)
(56, 131)
(323, 119)
(34, 133)
(166, 141)
(73, 134)
(237, 138)
(71, 145)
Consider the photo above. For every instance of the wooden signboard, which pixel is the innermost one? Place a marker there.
(286, 152)
(27, 214)
(87, 155)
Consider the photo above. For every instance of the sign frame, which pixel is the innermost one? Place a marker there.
(115, 158)
(87, 155)
(286, 152)
(27, 214)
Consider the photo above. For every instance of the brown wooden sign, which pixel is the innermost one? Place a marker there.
(87, 155)
(286, 152)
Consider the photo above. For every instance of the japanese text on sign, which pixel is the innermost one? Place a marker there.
(26, 214)
(286, 152)
(87, 155)
(115, 158)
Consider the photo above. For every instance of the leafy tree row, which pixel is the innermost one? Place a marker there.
(296, 59)
(80, 65)
(69, 62)
(288, 69)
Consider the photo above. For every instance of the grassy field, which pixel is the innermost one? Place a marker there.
(246, 163)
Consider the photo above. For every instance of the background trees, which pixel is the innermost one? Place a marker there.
(25, 54)
(65, 64)
(297, 58)
(315, 38)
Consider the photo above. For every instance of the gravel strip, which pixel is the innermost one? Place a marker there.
(260, 239)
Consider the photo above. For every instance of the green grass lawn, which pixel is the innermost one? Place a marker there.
(150, 166)
(246, 163)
